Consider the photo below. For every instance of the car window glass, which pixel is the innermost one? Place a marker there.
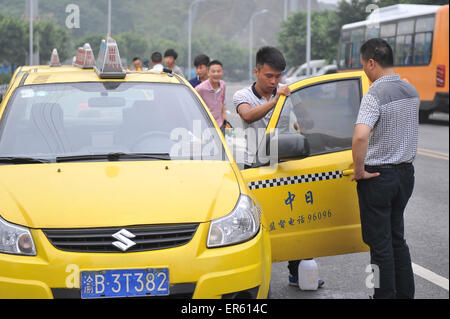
(52, 120)
(324, 113)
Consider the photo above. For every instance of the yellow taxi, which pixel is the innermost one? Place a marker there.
(120, 184)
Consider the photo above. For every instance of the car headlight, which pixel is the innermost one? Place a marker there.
(15, 239)
(240, 225)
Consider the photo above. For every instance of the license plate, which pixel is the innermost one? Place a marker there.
(124, 283)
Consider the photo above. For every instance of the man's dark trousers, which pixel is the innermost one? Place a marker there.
(382, 201)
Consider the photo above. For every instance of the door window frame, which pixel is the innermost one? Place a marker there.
(278, 106)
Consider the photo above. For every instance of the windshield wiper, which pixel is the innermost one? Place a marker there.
(114, 156)
(22, 160)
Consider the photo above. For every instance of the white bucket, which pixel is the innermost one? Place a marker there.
(308, 275)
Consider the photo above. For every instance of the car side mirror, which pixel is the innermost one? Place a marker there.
(281, 147)
(289, 146)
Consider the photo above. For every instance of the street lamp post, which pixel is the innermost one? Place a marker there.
(190, 34)
(31, 32)
(250, 73)
(109, 18)
(308, 38)
(285, 10)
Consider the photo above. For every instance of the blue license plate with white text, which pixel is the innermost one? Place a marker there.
(124, 283)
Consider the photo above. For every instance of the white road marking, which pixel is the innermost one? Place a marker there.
(431, 153)
(430, 276)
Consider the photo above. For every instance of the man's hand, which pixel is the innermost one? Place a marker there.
(283, 90)
(250, 114)
(358, 175)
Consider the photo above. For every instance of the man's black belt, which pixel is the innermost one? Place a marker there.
(388, 166)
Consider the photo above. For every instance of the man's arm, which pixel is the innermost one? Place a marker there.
(360, 142)
(224, 112)
(251, 114)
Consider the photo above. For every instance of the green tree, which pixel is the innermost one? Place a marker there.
(132, 45)
(233, 57)
(292, 37)
(161, 44)
(94, 41)
(52, 36)
(234, 61)
(13, 40)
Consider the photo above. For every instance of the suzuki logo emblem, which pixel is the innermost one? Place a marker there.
(124, 242)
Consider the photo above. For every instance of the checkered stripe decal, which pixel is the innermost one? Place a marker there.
(295, 180)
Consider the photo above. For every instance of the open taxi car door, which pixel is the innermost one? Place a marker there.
(304, 183)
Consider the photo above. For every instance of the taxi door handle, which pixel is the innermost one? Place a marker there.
(348, 172)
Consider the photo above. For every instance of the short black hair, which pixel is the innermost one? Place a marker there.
(172, 53)
(378, 50)
(215, 62)
(156, 57)
(271, 56)
(136, 58)
(201, 59)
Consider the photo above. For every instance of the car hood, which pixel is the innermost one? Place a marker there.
(104, 194)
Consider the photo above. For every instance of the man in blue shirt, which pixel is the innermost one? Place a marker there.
(201, 62)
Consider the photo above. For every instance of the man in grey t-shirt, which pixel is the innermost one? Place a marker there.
(384, 147)
(255, 103)
(255, 106)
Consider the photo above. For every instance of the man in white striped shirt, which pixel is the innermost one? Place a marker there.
(255, 104)
(384, 146)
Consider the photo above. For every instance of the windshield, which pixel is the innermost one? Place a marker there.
(78, 119)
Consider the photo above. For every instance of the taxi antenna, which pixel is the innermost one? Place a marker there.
(54, 60)
(109, 65)
(85, 57)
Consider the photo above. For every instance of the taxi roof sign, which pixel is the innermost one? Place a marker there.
(85, 57)
(109, 65)
(54, 60)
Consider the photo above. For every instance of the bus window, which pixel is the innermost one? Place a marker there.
(387, 30)
(423, 40)
(405, 27)
(422, 47)
(346, 55)
(404, 45)
(345, 36)
(391, 42)
(403, 50)
(425, 24)
(372, 31)
(357, 39)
